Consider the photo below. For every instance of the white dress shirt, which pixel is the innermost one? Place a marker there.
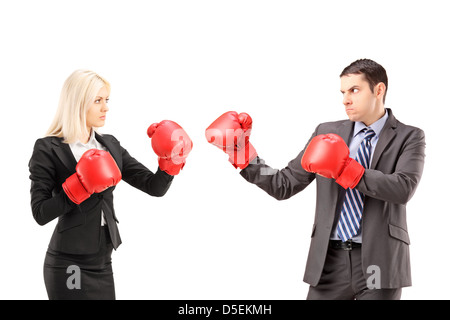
(78, 149)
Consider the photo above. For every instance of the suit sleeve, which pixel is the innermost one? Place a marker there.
(140, 177)
(46, 203)
(399, 186)
(280, 184)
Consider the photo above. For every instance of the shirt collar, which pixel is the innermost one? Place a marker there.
(92, 137)
(377, 126)
(92, 141)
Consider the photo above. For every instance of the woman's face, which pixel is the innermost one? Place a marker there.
(96, 114)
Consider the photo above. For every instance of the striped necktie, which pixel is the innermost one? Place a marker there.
(351, 212)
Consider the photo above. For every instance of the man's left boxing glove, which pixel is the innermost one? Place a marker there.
(329, 156)
(96, 171)
(231, 133)
(171, 144)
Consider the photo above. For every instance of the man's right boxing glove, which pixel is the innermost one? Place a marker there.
(329, 156)
(96, 171)
(231, 132)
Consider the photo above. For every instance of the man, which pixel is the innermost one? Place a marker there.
(359, 243)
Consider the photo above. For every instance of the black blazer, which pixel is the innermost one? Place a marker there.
(78, 228)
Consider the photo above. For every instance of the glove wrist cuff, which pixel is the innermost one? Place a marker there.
(170, 166)
(242, 158)
(351, 174)
(75, 190)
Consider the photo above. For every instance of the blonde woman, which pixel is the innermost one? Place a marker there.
(73, 172)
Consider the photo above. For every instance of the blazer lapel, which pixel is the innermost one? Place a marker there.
(64, 154)
(62, 150)
(387, 134)
(345, 131)
(113, 147)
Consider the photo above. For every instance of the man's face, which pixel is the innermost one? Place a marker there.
(359, 101)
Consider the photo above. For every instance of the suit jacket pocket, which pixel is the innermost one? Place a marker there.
(71, 219)
(399, 233)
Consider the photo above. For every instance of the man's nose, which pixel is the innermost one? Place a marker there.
(346, 101)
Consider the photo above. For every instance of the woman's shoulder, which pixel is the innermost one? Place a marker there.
(43, 147)
(48, 141)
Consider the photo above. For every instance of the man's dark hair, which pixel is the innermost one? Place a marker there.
(373, 72)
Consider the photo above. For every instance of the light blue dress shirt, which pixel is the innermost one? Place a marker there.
(357, 138)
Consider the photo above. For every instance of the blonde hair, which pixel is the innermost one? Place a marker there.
(78, 91)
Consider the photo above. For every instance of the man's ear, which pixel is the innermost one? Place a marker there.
(380, 90)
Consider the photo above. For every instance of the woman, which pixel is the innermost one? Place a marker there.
(73, 172)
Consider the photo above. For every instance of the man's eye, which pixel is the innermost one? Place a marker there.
(355, 90)
(107, 100)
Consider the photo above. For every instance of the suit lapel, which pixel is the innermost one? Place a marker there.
(387, 134)
(113, 147)
(64, 154)
(62, 150)
(345, 131)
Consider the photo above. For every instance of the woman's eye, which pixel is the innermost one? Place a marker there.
(107, 100)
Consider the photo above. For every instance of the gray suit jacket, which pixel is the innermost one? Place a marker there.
(389, 184)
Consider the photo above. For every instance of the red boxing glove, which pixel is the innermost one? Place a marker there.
(231, 133)
(329, 156)
(172, 145)
(96, 171)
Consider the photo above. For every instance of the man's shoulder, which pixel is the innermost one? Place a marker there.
(331, 126)
(403, 128)
(408, 127)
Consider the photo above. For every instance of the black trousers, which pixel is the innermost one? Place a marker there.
(343, 279)
(81, 277)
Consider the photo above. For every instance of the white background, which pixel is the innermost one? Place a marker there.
(215, 236)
